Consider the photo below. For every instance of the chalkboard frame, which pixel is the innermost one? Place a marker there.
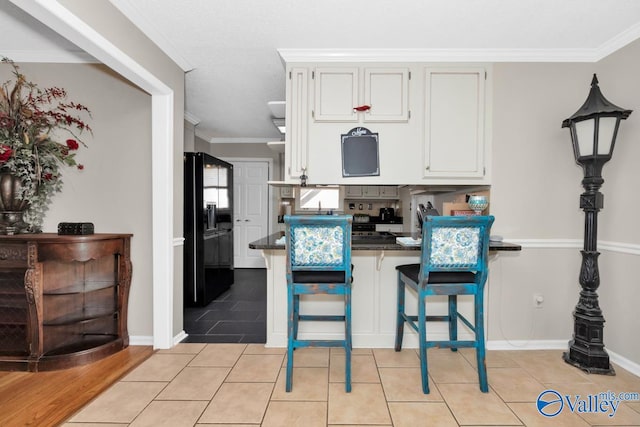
(360, 153)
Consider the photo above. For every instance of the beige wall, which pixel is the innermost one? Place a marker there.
(619, 290)
(535, 195)
(103, 17)
(114, 189)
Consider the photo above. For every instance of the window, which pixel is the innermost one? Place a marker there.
(319, 199)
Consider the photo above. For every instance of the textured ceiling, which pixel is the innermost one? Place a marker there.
(231, 46)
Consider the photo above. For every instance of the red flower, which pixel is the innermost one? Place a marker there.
(72, 144)
(47, 176)
(80, 167)
(5, 153)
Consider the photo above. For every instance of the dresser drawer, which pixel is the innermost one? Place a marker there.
(13, 255)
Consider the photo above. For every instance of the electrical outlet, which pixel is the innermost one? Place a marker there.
(538, 300)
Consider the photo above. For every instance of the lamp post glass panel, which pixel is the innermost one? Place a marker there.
(594, 128)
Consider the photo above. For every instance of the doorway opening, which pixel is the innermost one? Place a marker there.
(239, 314)
(236, 316)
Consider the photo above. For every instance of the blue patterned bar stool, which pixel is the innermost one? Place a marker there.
(318, 251)
(453, 262)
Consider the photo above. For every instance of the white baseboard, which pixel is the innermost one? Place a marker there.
(526, 345)
(181, 336)
(148, 340)
(624, 363)
(140, 340)
(614, 357)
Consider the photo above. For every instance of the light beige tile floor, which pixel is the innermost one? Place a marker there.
(243, 385)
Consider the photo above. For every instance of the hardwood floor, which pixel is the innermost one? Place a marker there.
(49, 398)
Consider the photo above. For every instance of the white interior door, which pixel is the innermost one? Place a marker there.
(251, 211)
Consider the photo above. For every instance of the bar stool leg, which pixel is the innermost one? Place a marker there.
(292, 321)
(422, 336)
(480, 346)
(400, 314)
(453, 319)
(348, 344)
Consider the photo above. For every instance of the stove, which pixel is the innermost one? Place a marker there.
(363, 226)
(372, 237)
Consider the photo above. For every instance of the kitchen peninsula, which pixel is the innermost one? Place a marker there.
(373, 293)
(384, 135)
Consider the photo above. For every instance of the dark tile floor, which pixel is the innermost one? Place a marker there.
(236, 316)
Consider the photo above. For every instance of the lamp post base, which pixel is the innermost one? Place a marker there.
(590, 363)
(586, 349)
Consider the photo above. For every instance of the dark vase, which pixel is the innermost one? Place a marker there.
(12, 206)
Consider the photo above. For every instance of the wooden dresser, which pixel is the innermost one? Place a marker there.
(63, 299)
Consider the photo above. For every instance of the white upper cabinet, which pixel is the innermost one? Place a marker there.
(454, 123)
(361, 94)
(431, 121)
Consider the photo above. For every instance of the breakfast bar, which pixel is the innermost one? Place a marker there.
(374, 257)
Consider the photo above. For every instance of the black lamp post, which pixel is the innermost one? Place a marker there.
(594, 128)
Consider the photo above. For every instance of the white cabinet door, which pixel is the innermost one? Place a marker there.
(388, 191)
(286, 192)
(353, 191)
(454, 122)
(370, 191)
(386, 91)
(336, 94)
(297, 120)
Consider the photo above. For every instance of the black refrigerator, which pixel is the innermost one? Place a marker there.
(208, 228)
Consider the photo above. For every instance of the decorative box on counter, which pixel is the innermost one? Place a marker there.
(75, 228)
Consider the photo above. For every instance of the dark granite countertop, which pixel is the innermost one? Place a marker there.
(269, 242)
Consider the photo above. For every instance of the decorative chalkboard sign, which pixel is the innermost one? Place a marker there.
(360, 153)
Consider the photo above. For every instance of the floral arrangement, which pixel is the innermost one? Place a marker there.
(31, 119)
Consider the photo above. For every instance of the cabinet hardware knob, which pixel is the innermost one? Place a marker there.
(362, 108)
(246, 220)
(427, 168)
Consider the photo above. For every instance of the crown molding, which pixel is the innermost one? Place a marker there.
(51, 56)
(205, 136)
(458, 55)
(239, 140)
(135, 15)
(191, 118)
(619, 41)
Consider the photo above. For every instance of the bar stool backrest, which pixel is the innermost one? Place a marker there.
(454, 244)
(318, 243)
